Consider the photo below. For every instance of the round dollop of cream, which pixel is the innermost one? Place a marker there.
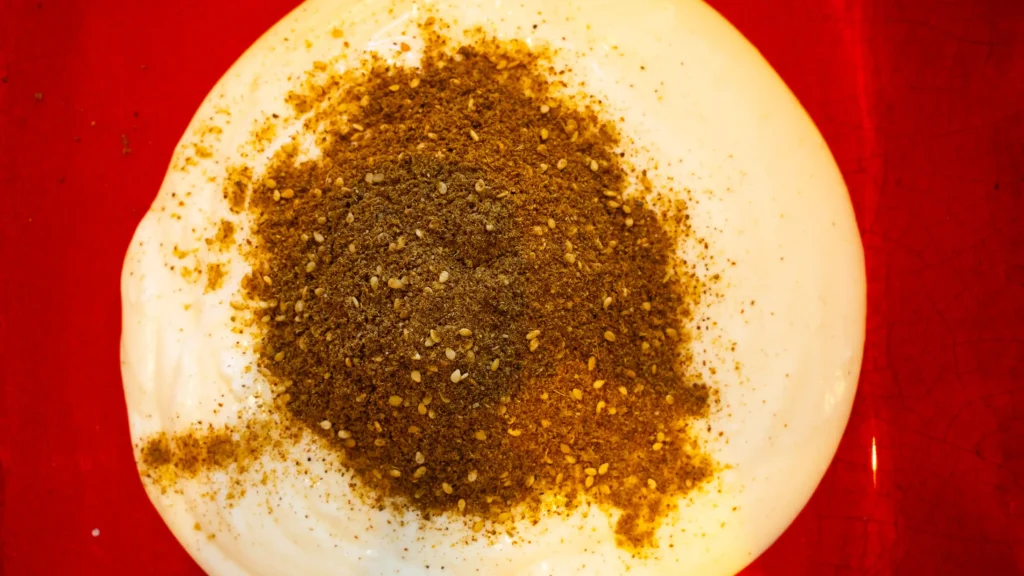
(716, 119)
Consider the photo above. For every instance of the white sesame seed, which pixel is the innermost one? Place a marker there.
(416, 376)
(325, 424)
(443, 277)
(474, 135)
(449, 353)
(532, 334)
(456, 376)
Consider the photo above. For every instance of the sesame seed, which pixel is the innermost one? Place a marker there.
(270, 183)
(551, 223)
(589, 481)
(267, 280)
(419, 472)
(669, 399)
(279, 356)
(543, 133)
(480, 435)
(395, 473)
(449, 353)
(474, 135)
(442, 188)
(514, 432)
(598, 384)
(395, 401)
(414, 83)
(600, 406)
(602, 469)
(544, 108)
(570, 258)
(594, 166)
(379, 442)
(472, 476)
(562, 163)
(591, 363)
(325, 424)
(344, 434)
(478, 526)
(570, 459)
(422, 409)
(350, 218)
(435, 336)
(534, 344)
(318, 237)
(607, 302)
(629, 222)
(609, 335)
(462, 504)
(657, 446)
(277, 196)
(652, 484)
(545, 423)
(456, 376)
(465, 332)
(646, 306)
(479, 186)
(394, 87)
(443, 277)
(446, 487)
(623, 390)
(532, 334)
(577, 393)
(494, 364)
(420, 458)
(395, 284)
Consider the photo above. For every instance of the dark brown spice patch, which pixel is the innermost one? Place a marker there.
(468, 301)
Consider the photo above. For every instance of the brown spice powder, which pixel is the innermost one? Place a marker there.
(465, 303)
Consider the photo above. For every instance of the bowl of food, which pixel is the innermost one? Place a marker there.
(524, 289)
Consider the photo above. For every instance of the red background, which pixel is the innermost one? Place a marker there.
(922, 103)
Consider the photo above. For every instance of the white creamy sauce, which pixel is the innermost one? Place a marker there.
(714, 117)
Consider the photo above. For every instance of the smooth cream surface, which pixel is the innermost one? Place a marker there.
(716, 119)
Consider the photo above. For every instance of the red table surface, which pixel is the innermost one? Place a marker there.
(922, 103)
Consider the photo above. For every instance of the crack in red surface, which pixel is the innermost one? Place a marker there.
(922, 104)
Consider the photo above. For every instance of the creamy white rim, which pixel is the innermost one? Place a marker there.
(717, 119)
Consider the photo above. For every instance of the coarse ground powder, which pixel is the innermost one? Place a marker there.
(469, 296)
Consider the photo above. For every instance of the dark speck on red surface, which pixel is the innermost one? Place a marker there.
(921, 101)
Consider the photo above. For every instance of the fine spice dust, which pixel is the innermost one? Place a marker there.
(464, 298)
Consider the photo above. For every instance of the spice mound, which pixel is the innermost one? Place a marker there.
(470, 301)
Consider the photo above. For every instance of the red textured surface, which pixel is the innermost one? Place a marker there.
(921, 101)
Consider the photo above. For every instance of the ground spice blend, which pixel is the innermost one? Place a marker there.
(465, 300)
